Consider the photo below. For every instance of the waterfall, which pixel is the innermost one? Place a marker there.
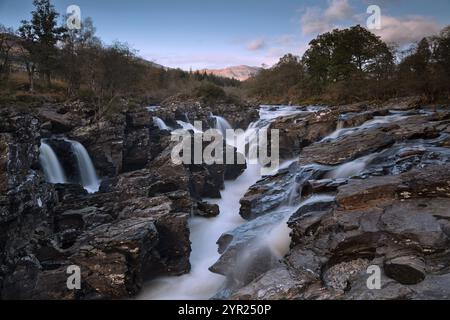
(341, 131)
(54, 173)
(352, 168)
(200, 283)
(88, 176)
(152, 108)
(278, 239)
(222, 125)
(188, 126)
(160, 124)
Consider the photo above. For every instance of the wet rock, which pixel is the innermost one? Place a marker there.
(104, 141)
(268, 193)
(208, 210)
(276, 284)
(300, 130)
(407, 270)
(339, 276)
(28, 282)
(239, 116)
(346, 148)
(112, 256)
(59, 120)
(355, 119)
(245, 253)
(286, 187)
(429, 181)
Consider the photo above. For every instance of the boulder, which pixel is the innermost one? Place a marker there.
(300, 130)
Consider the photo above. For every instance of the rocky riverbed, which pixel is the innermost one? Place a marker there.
(362, 184)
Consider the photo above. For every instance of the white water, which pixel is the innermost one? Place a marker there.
(188, 126)
(88, 175)
(200, 283)
(152, 108)
(271, 113)
(54, 172)
(278, 240)
(222, 125)
(160, 124)
(351, 169)
(340, 131)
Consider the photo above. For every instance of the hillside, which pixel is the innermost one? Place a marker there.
(241, 73)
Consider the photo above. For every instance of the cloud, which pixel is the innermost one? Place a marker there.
(338, 10)
(312, 23)
(339, 13)
(404, 30)
(285, 40)
(314, 20)
(256, 45)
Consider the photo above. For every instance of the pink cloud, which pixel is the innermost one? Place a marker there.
(404, 30)
(256, 45)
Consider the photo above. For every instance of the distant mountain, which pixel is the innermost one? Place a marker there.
(241, 73)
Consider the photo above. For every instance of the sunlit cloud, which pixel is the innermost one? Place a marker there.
(404, 30)
(256, 45)
(340, 14)
(316, 20)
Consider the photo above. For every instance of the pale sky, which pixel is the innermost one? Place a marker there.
(214, 34)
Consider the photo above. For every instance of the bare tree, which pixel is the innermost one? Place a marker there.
(7, 40)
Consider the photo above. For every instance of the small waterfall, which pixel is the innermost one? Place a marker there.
(88, 176)
(187, 126)
(341, 131)
(54, 172)
(278, 238)
(200, 283)
(152, 108)
(351, 169)
(340, 124)
(160, 124)
(222, 125)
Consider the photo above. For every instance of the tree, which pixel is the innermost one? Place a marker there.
(28, 55)
(442, 52)
(348, 59)
(7, 40)
(41, 35)
(79, 49)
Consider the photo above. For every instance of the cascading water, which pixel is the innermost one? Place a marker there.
(351, 169)
(200, 283)
(88, 175)
(278, 238)
(160, 124)
(152, 108)
(341, 131)
(188, 126)
(221, 124)
(54, 172)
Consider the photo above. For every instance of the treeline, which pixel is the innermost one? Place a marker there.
(353, 65)
(82, 66)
